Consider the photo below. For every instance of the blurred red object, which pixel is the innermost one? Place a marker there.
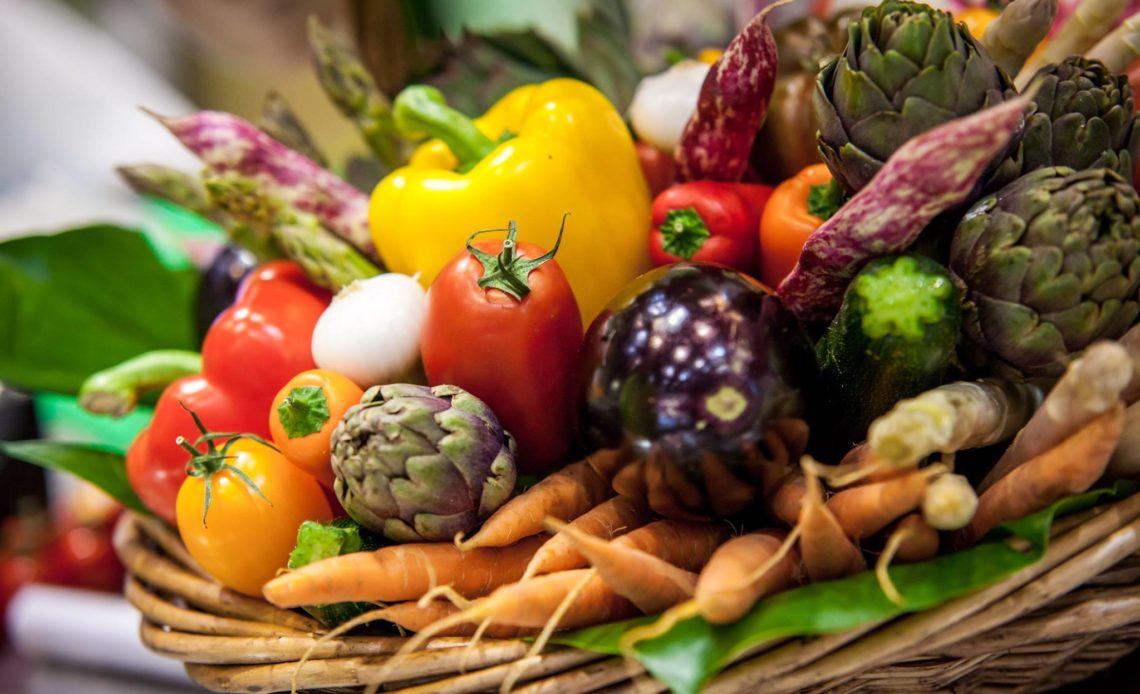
(657, 167)
(69, 553)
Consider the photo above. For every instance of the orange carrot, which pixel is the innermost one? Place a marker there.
(412, 617)
(827, 551)
(532, 603)
(920, 541)
(1070, 467)
(724, 594)
(401, 572)
(784, 504)
(772, 459)
(650, 583)
(607, 461)
(565, 495)
(607, 520)
(865, 510)
(681, 543)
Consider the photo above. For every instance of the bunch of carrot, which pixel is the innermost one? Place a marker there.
(569, 553)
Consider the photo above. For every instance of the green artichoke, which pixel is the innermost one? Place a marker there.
(1050, 264)
(421, 464)
(907, 68)
(1083, 119)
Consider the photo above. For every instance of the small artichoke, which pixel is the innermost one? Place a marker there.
(421, 464)
(1083, 119)
(907, 68)
(1050, 264)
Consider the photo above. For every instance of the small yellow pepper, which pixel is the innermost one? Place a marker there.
(976, 20)
(540, 152)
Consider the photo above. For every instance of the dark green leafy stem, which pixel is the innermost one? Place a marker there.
(825, 199)
(303, 411)
(103, 468)
(694, 651)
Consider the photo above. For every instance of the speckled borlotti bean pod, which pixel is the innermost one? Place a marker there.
(928, 175)
(733, 101)
(225, 142)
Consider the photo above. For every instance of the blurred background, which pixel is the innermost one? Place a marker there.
(75, 76)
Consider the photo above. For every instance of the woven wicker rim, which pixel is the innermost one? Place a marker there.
(1052, 612)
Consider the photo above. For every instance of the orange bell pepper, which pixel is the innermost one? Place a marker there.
(787, 223)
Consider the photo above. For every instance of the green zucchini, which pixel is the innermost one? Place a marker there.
(893, 338)
(316, 541)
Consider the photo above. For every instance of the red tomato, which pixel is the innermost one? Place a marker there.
(515, 355)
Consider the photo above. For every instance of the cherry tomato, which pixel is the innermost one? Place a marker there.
(248, 531)
(787, 224)
(517, 355)
(304, 414)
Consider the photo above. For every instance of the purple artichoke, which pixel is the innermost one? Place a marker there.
(421, 464)
(1051, 263)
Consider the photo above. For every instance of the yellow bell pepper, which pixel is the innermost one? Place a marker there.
(568, 152)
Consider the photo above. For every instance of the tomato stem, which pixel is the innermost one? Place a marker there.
(214, 460)
(508, 271)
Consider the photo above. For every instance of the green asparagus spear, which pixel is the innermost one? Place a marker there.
(350, 86)
(280, 122)
(327, 259)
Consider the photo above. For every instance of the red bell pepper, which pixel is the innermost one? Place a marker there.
(252, 349)
(708, 221)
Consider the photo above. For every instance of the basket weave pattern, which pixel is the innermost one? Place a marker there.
(1058, 621)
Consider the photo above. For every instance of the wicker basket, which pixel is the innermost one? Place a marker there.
(1066, 617)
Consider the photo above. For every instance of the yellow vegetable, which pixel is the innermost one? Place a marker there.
(540, 152)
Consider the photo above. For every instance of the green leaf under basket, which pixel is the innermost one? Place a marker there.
(693, 651)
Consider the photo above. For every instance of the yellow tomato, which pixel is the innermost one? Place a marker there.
(709, 55)
(304, 414)
(251, 524)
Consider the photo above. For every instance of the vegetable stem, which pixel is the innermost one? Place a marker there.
(115, 391)
(508, 271)
(420, 110)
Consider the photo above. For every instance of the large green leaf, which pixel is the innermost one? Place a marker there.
(103, 468)
(83, 300)
(693, 651)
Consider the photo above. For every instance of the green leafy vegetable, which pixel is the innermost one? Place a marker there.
(103, 468)
(86, 299)
(303, 411)
(694, 651)
(316, 541)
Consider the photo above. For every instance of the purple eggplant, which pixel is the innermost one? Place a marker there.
(219, 284)
(687, 368)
